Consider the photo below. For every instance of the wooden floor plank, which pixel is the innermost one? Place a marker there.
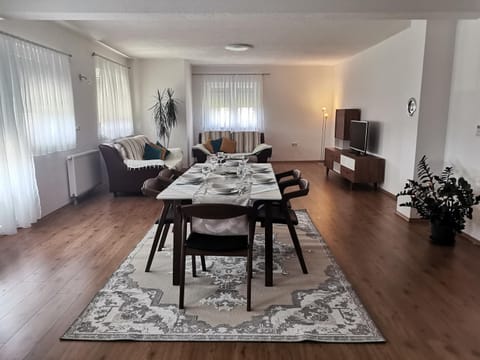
(423, 298)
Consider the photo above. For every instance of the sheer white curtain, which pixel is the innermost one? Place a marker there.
(19, 200)
(46, 89)
(232, 102)
(114, 103)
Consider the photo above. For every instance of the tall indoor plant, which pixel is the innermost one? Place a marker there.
(165, 114)
(443, 199)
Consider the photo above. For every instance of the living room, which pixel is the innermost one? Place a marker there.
(393, 57)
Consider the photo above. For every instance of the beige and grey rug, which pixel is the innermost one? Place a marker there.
(320, 306)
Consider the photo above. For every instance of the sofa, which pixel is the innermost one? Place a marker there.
(241, 143)
(126, 168)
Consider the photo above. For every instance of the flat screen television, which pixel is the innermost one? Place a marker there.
(359, 136)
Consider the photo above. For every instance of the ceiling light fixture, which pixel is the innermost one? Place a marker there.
(238, 47)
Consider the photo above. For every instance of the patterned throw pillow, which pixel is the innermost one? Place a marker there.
(228, 146)
(153, 152)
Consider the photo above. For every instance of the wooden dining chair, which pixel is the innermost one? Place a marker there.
(152, 187)
(230, 244)
(282, 213)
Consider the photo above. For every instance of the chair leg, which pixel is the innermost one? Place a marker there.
(161, 223)
(249, 280)
(182, 280)
(194, 266)
(204, 264)
(296, 243)
(164, 237)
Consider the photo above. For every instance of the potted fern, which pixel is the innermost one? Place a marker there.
(165, 114)
(445, 200)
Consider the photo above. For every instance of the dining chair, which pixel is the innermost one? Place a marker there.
(293, 174)
(234, 240)
(152, 187)
(282, 213)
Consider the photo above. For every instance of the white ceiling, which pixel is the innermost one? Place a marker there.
(277, 38)
(282, 31)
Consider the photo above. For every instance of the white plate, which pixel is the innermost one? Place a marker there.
(190, 179)
(224, 188)
(225, 191)
(263, 179)
(260, 170)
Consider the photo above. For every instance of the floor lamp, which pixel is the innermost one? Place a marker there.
(324, 127)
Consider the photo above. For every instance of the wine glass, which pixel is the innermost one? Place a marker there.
(206, 169)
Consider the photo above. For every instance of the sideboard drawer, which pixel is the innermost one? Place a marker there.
(348, 162)
(347, 173)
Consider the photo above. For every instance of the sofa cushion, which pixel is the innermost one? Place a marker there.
(216, 144)
(153, 152)
(207, 144)
(164, 148)
(228, 145)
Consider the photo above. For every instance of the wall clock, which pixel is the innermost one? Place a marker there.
(411, 106)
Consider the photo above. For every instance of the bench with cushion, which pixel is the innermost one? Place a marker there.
(126, 167)
(246, 143)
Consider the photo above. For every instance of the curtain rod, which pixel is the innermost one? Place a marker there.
(36, 44)
(199, 74)
(106, 58)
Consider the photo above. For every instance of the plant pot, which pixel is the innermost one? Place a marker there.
(442, 234)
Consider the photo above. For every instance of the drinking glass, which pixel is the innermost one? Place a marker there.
(206, 169)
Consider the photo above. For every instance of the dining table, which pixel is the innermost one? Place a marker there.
(262, 185)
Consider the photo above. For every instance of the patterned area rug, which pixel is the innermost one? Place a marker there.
(320, 306)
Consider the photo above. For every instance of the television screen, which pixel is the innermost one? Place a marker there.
(358, 135)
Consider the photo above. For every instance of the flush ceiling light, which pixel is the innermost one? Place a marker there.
(238, 47)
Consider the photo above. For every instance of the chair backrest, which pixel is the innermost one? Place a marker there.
(293, 176)
(235, 219)
(153, 186)
(303, 190)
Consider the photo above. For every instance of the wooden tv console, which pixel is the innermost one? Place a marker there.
(355, 168)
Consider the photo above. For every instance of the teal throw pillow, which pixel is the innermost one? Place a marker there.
(216, 145)
(166, 150)
(151, 153)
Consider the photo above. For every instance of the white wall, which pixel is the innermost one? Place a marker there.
(379, 81)
(435, 94)
(293, 99)
(462, 148)
(150, 75)
(51, 169)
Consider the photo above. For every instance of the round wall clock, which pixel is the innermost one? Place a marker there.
(411, 106)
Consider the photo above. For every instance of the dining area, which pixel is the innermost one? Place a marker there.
(216, 208)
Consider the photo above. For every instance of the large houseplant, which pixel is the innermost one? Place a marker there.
(165, 114)
(445, 200)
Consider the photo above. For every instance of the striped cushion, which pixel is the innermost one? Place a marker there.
(133, 146)
(246, 140)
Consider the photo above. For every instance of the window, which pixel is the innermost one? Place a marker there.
(45, 84)
(114, 103)
(36, 118)
(232, 103)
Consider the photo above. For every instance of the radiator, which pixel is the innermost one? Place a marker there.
(84, 172)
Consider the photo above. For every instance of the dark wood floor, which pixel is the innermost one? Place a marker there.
(425, 299)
